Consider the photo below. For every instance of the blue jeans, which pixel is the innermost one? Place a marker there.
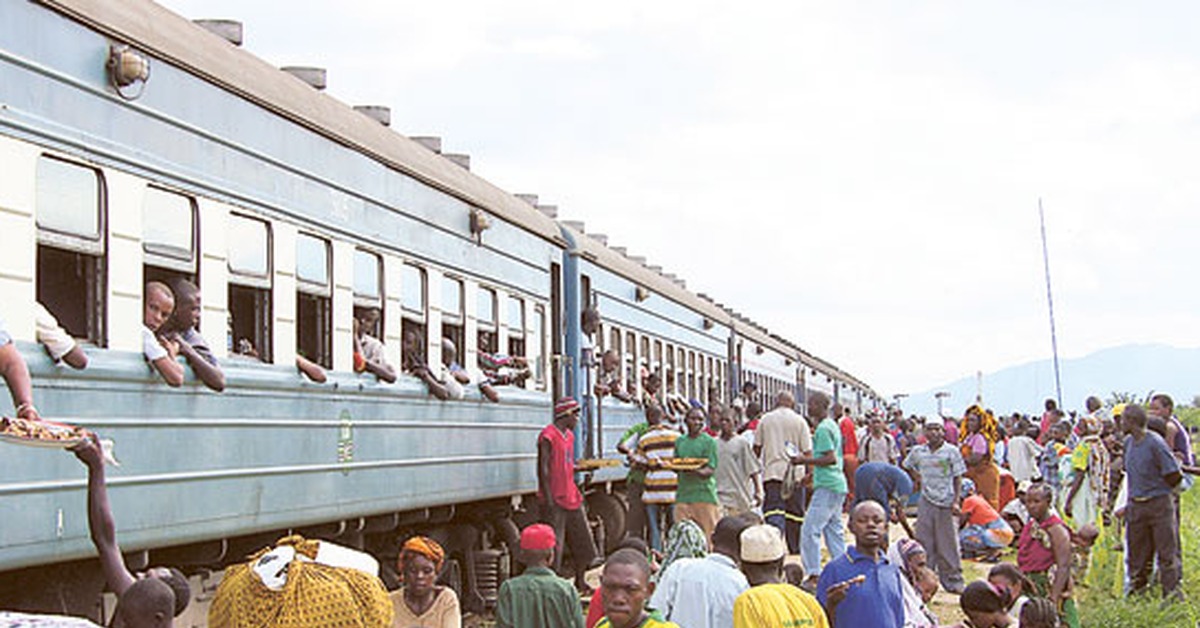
(824, 518)
(652, 526)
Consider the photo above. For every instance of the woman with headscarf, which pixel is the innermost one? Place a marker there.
(684, 540)
(911, 558)
(978, 446)
(1087, 497)
(421, 602)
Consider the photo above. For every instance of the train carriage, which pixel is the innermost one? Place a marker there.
(292, 211)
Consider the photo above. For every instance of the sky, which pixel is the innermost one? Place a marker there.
(862, 178)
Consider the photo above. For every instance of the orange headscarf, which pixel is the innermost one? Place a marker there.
(423, 546)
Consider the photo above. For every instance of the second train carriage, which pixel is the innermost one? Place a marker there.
(290, 210)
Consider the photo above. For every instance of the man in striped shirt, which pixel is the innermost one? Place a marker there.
(651, 449)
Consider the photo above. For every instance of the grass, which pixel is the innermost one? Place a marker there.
(1100, 599)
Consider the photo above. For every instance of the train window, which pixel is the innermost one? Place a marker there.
(485, 315)
(412, 304)
(615, 341)
(692, 391)
(657, 365)
(71, 273)
(452, 312)
(669, 384)
(249, 259)
(169, 230)
(630, 359)
(516, 326)
(537, 346)
(314, 292)
(368, 280)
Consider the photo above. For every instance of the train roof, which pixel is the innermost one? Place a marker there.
(173, 38)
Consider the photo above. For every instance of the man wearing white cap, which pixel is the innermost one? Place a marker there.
(771, 602)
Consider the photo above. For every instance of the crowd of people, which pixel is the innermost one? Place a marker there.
(981, 487)
(720, 495)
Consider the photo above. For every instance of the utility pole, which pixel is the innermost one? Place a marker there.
(940, 395)
(1050, 302)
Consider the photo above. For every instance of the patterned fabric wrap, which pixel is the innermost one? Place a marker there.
(684, 540)
(315, 596)
(423, 546)
(988, 426)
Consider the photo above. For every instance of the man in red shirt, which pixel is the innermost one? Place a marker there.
(849, 452)
(559, 497)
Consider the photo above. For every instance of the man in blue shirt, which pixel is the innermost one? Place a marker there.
(881, 482)
(1151, 471)
(860, 587)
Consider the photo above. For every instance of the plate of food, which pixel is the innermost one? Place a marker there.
(591, 464)
(684, 464)
(40, 433)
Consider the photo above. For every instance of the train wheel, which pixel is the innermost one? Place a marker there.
(607, 515)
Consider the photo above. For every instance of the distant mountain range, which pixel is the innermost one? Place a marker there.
(1135, 369)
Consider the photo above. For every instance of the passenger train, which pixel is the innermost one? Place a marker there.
(136, 145)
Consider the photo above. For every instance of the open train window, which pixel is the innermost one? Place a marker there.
(516, 326)
(368, 288)
(249, 259)
(452, 313)
(486, 319)
(71, 275)
(413, 289)
(314, 295)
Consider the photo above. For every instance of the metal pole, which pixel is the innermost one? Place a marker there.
(1050, 302)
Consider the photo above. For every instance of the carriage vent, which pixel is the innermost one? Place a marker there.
(378, 113)
(550, 211)
(432, 142)
(532, 199)
(315, 77)
(575, 224)
(620, 250)
(229, 30)
(600, 237)
(460, 159)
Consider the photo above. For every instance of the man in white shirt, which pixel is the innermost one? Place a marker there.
(1023, 452)
(700, 592)
(776, 430)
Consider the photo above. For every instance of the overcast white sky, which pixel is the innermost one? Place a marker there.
(861, 177)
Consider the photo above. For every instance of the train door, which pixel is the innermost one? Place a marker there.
(556, 332)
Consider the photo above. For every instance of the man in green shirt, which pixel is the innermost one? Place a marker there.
(696, 496)
(538, 598)
(824, 515)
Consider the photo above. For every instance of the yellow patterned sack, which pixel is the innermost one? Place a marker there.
(314, 596)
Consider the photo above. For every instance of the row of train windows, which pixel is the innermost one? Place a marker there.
(72, 255)
(685, 372)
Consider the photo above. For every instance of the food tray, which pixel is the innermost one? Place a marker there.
(56, 435)
(589, 464)
(684, 464)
